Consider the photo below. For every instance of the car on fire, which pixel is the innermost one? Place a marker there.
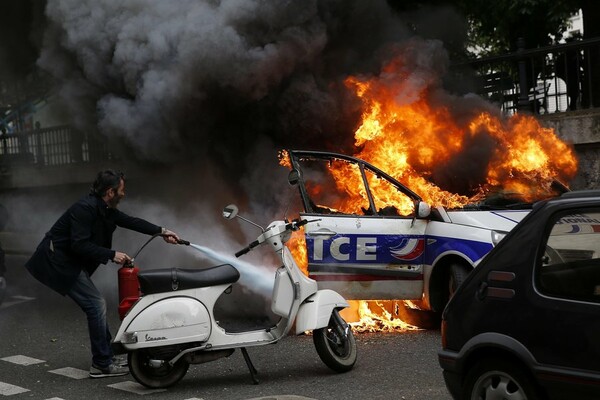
(526, 323)
(378, 239)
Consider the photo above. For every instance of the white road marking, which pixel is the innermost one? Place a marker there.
(55, 398)
(22, 360)
(70, 372)
(19, 300)
(283, 397)
(134, 387)
(6, 389)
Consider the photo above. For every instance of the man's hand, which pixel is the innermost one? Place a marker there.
(169, 236)
(120, 258)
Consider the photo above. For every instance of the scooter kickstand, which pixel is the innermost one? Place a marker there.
(253, 370)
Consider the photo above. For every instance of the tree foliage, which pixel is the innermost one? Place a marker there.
(495, 26)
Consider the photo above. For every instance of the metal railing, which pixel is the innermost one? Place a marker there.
(545, 80)
(53, 146)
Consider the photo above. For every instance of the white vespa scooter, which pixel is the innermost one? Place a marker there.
(173, 325)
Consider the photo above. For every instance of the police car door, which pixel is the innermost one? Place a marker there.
(367, 242)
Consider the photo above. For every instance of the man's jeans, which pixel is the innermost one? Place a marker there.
(87, 296)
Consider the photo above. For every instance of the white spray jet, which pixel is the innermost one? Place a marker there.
(257, 279)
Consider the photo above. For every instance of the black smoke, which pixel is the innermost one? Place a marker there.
(21, 30)
(207, 79)
(208, 91)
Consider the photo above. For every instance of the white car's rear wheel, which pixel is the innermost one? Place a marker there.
(458, 274)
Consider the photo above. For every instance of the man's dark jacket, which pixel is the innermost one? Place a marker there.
(81, 239)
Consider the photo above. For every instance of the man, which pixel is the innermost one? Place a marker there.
(77, 243)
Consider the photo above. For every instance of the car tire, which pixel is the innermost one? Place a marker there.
(458, 274)
(498, 378)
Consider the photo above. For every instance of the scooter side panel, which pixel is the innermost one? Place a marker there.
(283, 293)
(315, 312)
(170, 321)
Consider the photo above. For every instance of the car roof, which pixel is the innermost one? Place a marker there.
(580, 193)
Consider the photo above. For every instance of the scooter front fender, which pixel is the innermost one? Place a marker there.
(315, 311)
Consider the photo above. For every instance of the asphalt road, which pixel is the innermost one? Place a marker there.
(44, 354)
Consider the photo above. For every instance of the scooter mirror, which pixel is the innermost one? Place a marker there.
(230, 212)
(294, 177)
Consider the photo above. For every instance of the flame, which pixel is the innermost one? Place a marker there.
(376, 316)
(412, 137)
(297, 246)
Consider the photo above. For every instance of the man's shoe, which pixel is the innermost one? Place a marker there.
(120, 360)
(111, 370)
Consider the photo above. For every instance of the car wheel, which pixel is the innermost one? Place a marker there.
(458, 274)
(497, 378)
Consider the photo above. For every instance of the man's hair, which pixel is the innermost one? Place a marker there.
(107, 179)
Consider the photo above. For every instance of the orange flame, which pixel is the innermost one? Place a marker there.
(413, 139)
(297, 245)
(376, 316)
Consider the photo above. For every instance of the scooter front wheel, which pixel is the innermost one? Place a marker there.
(153, 371)
(335, 344)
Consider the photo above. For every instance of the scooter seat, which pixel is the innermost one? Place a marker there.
(170, 279)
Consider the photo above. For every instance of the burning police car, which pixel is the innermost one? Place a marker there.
(376, 239)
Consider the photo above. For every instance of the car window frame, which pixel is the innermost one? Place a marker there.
(540, 255)
(297, 156)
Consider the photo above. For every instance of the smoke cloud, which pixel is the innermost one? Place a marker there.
(203, 76)
(211, 90)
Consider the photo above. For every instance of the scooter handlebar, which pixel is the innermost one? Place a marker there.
(247, 249)
(294, 225)
(301, 223)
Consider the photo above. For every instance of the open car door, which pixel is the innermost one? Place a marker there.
(369, 240)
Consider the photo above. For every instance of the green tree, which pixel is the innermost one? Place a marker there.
(502, 26)
(496, 25)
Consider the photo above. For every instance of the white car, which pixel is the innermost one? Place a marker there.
(375, 239)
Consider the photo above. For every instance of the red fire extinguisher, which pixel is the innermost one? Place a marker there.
(129, 288)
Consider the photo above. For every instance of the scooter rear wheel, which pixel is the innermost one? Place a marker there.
(155, 376)
(336, 345)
